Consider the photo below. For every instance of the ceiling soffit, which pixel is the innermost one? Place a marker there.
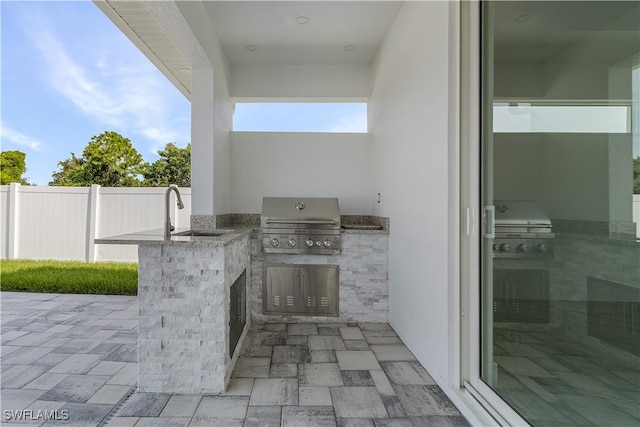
(135, 20)
(262, 33)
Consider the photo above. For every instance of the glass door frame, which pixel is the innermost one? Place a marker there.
(473, 224)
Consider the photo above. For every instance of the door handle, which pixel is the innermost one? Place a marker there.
(489, 222)
(472, 219)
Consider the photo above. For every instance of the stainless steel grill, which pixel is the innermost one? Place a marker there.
(293, 225)
(522, 230)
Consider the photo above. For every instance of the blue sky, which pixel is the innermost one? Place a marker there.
(312, 117)
(68, 74)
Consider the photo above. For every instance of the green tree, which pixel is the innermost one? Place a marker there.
(70, 173)
(12, 166)
(109, 159)
(173, 167)
(636, 175)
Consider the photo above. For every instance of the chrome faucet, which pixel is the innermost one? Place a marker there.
(168, 228)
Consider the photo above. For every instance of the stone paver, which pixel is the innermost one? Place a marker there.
(58, 356)
(75, 357)
(278, 381)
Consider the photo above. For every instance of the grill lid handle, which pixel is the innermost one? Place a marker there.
(522, 225)
(300, 221)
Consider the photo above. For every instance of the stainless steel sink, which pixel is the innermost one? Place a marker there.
(207, 233)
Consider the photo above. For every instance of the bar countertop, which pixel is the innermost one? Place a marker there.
(156, 237)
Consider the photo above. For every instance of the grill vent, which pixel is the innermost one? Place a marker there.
(276, 300)
(291, 300)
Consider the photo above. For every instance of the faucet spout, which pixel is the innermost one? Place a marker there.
(168, 228)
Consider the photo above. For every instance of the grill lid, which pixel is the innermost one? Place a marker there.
(293, 212)
(520, 212)
(522, 230)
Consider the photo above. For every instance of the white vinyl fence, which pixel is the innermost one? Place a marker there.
(61, 222)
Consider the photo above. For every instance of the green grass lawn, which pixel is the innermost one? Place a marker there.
(69, 277)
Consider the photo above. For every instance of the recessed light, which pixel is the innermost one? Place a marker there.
(523, 18)
(185, 70)
(251, 47)
(349, 47)
(302, 20)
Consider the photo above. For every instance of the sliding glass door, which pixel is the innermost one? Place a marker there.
(560, 169)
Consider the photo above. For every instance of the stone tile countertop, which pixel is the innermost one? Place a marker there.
(363, 229)
(156, 237)
(364, 224)
(349, 223)
(235, 226)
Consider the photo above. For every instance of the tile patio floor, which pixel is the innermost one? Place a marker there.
(77, 353)
(559, 381)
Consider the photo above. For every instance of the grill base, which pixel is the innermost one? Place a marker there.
(311, 290)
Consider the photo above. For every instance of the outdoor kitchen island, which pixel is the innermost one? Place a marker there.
(186, 312)
(363, 275)
(185, 296)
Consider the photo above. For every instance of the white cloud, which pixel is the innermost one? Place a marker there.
(21, 139)
(159, 137)
(355, 122)
(125, 94)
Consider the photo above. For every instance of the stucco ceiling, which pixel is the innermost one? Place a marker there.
(301, 32)
(351, 32)
(264, 32)
(537, 31)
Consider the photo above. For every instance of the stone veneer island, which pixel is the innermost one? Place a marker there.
(184, 299)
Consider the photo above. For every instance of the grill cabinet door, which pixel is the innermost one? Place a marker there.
(301, 289)
(320, 290)
(282, 289)
(237, 310)
(521, 296)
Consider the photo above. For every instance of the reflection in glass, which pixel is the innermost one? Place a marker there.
(527, 118)
(561, 312)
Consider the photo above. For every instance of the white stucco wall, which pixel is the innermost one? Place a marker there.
(301, 164)
(408, 116)
(202, 141)
(223, 119)
(301, 81)
(591, 168)
(211, 111)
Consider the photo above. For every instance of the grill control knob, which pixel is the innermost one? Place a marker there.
(542, 247)
(523, 247)
(309, 243)
(318, 243)
(291, 243)
(505, 247)
(327, 244)
(496, 247)
(274, 242)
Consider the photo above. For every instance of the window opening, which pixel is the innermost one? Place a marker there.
(301, 117)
